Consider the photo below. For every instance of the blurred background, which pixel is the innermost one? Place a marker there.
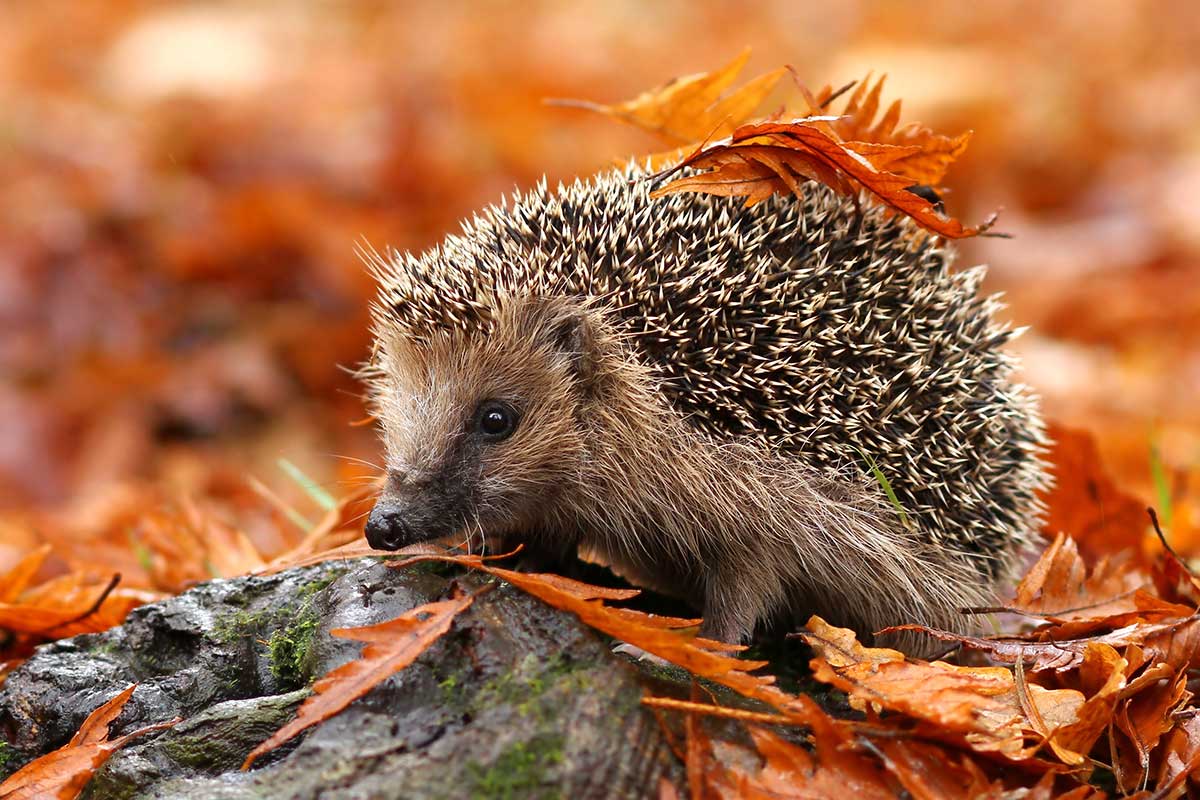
(183, 188)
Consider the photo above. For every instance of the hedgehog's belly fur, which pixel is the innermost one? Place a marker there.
(787, 345)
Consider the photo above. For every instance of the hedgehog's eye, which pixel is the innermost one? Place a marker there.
(497, 420)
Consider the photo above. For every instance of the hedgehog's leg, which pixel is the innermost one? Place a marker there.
(732, 609)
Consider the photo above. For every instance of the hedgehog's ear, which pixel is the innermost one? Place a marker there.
(572, 333)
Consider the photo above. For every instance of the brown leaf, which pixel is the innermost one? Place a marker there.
(657, 635)
(391, 647)
(834, 767)
(1102, 677)
(923, 156)
(694, 107)
(71, 604)
(63, 773)
(13, 582)
(761, 159)
(929, 772)
(1060, 587)
(1086, 504)
(979, 706)
(1144, 718)
(1041, 650)
(1180, 764)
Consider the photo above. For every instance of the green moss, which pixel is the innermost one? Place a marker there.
(519, 771)
(288, 648)
(189, 752)
(7, 756)
(233, 627)
(451, 692)
(312, 587)
(292, 626)
(527, 681)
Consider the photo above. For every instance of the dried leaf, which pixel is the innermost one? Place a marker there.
(657, 635)
(1144, 719)
(1180, 764)
(979, 706)
(1053, 654)
(63, 773)
(761, 159)
(921, 156)
(694, 107)
(15, 581)
(1086, 504)
(391, 647)
(1102, 676)
(834, 767)
(1059, 587)
(928, 772)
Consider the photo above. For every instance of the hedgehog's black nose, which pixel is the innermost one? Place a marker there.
(386, 529)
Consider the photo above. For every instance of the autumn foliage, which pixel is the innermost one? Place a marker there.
(1084, 689)
(850, 152)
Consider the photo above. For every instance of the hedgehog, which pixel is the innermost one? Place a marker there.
(769, 411)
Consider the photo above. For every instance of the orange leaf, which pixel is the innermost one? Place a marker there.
(1181, 758)
(927, 155)
(981, 707)
(1144, 718)
(13, 582)
(1060, 587)
(1102, 675)
(694, 107)
(780, 156)
(833, 768)
(654, 634)
(929, 772)
(62, 774)
(67, 605)
(1085, 503)
(393, 645)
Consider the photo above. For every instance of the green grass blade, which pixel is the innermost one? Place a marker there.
(321, 497)
(887, 487)
(1162, 486)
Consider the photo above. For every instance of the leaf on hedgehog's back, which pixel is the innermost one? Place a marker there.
(63, 773)
(693, 107)
(778, 157)
(392, 646)
(917, 152)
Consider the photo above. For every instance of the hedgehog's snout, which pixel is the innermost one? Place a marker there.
(387, 528)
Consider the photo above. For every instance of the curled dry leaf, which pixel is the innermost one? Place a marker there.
(835, 766)
(1143, 719)
(391, 646)
(694, 107)
(1179, 768)
(848, 152)
(63, 773)
(919, 154)
(664, 637)
(1054, 654)
(984, 708)
(759, 160)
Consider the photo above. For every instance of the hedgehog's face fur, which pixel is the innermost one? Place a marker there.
(473, 422)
